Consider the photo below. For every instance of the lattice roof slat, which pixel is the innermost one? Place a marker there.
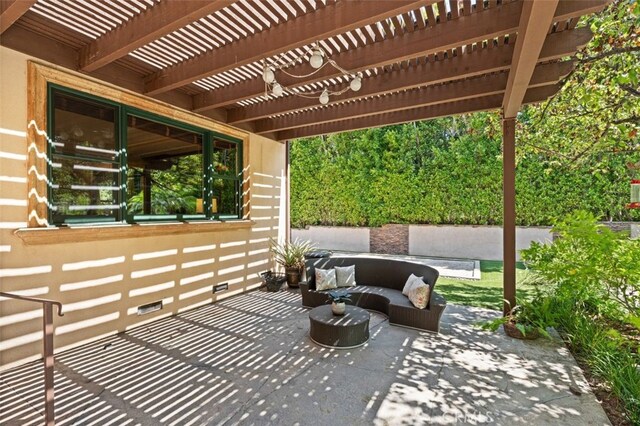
(405, 47)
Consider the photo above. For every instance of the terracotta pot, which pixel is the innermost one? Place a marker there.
(338, 308)
(511, 330)
(293, 276)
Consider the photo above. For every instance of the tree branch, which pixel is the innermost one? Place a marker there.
(630, 89)
(632, 119)
(612, 52)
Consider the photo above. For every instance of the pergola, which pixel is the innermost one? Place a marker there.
(419, 60)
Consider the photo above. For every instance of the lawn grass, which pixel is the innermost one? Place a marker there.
(483, 293)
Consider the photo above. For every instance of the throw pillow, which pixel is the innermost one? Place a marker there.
(325, 279)
(346, 275)
(419, 295)
(412, 282)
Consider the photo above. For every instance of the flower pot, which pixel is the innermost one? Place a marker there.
(293, 277)
(338, 308)
(511, 330)
(272, 281)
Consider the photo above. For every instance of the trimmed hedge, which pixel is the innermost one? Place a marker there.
(443, 171)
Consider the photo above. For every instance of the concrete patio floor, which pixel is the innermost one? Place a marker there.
(248, 360)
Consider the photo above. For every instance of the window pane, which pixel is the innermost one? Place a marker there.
(164, 169)
(225, 158)
(83, 127)
(87, 189)
(225, 196)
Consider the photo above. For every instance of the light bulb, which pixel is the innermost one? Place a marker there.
(324, 97)
(356, 83)
(277, 90)
(316, 58)
(268, 75)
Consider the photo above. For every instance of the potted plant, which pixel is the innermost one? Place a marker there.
(290, 255)
(338, 299)
(527, 320)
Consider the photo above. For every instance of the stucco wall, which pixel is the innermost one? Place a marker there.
(461, 242)
(469, 242)
(101, 283)
(335, 238)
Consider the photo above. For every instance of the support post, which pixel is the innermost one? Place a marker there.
(509, 212)
(288, 192)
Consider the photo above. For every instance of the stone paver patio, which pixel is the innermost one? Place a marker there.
(248, 360)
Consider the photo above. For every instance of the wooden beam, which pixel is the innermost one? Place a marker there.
(39, 46)
(389, 51)
(327, 22)
(434, 72)
(12, 10)
(536, 18)
(509, 213)
(409, 99)
(476, 27)
(422, 113)
(566, 8)
(155, 22)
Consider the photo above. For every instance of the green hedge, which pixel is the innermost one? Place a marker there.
(445, 171)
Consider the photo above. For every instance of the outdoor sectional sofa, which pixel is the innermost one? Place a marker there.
(379, 288)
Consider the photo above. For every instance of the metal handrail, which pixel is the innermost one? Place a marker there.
(47, 339)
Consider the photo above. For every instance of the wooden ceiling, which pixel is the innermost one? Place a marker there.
(419, 59)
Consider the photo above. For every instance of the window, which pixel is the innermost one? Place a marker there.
(110, 163)
(226, 170)
(85, 164)
(164, 173)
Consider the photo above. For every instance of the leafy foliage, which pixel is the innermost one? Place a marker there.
(173, 191)
(339, 296)
(591, 275)
(442, 171)
(574, 152)
(290, 254)
(530, 316)
(596, 115)
(590, 265)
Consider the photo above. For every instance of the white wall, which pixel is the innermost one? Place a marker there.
(469, 242)
(461, 242)
(335, 238)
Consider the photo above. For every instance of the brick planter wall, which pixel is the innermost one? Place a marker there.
(390, 239)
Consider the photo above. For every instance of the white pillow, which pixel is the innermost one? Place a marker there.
(325, 279)
(412, 282)
(419, 295)
(346, 275)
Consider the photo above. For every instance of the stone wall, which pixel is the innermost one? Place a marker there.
(390, 239)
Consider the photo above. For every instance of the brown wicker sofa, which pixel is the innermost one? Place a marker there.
(379, 288)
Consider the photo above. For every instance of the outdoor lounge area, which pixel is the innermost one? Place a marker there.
(147, 164)
(249, 360)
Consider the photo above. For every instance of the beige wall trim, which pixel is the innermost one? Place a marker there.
(63, 235)
(40, 74)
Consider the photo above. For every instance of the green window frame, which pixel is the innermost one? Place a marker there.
(214, 180)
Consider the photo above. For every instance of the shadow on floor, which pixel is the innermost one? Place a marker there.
(248, 360)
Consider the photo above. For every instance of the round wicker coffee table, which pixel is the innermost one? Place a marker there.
(339, 331)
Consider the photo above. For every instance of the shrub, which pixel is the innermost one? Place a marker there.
(593, 277)
(596, 268)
